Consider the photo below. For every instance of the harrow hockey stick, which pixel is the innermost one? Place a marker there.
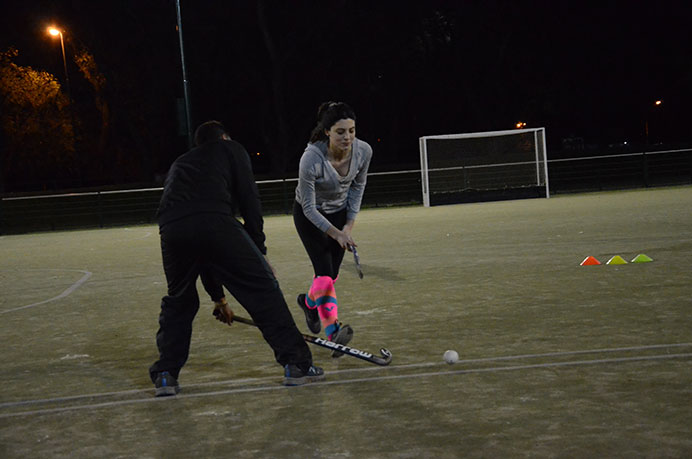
(384, 359)
(356, 259)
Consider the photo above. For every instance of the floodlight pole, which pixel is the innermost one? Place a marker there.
(186, 84)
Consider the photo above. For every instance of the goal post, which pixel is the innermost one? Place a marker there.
(484, 166)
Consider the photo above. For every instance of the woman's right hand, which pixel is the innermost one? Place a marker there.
(341, 237)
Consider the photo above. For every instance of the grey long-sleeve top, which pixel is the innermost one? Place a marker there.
(321, 188)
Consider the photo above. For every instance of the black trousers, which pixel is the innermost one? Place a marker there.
(325, 253)
(219, 244)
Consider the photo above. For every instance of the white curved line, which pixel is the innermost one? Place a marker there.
(146, 235)
(69, 290)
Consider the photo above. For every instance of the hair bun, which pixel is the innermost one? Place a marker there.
(324, 106)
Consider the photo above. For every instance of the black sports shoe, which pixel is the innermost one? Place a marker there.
(342, 336)
(311, 316)
(166, 385)
(294, 376)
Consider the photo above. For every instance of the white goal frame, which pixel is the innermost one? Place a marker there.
(541, 157)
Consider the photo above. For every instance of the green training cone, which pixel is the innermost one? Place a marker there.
(616, 260)
(641, 258)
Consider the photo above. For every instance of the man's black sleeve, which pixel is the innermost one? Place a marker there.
(211, 284)
(246, 195)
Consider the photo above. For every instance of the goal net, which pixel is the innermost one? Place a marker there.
(484, 166)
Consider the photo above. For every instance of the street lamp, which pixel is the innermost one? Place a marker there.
(649, 114)
(57, 32)
(186, 83)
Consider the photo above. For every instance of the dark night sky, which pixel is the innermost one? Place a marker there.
(409, 69)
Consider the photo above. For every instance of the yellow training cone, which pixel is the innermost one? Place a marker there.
(616, 260)
(641, 258)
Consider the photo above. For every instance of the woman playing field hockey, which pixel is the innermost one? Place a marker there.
(331, 182)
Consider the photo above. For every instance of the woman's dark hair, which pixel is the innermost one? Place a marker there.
(327, 115)
(206, 132)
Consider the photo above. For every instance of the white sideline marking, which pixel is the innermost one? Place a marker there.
(274, 387)
(69, 290)
(235, 382)
(566, 353)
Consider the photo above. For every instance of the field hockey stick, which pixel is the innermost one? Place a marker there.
(356, 259)
(384, 359)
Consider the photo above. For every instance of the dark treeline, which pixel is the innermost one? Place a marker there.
(262, 68)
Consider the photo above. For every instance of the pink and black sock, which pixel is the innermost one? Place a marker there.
(322, 296)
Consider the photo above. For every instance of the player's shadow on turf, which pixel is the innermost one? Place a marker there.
(387, 274)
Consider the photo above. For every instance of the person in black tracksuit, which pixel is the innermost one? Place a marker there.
(201, 236)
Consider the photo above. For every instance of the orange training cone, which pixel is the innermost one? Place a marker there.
(588, 261)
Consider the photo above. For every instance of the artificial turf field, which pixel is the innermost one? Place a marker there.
(557, 359)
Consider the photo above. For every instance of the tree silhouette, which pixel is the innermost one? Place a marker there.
(36, 123)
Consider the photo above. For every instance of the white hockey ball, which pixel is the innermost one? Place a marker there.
(451, 356)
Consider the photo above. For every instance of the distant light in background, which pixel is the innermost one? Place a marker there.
(520, 125)
(658, 102)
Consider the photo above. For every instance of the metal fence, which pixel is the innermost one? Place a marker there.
(98, 209)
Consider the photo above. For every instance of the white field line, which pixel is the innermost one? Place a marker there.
(69, 290)
(568, 353)
(274, 386)
(267, 379)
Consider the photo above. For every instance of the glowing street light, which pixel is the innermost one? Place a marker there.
(54, 31)
(658, 103)
(520, 125)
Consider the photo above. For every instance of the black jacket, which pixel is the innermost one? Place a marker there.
(215, 177)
